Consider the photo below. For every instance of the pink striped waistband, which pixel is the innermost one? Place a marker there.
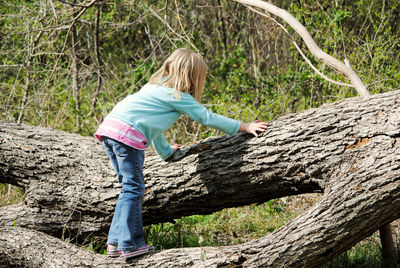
(118, 130)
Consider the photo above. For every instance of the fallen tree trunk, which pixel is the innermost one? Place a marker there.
(28, 248)
(350, 150)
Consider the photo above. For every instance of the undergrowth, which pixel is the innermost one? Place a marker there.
(227, 227)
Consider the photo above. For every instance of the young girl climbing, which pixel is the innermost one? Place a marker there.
(139, 120)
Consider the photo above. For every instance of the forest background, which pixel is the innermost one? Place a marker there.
(65, 64)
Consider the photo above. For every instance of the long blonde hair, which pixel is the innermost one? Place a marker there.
(184, 71)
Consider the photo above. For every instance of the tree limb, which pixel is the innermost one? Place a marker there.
(310, 43)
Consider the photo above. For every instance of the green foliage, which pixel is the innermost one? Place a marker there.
(250, 77)
(366, 254)
(226, 227)
(10, 194)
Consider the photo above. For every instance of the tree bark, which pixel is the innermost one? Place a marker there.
(350, 150)
(29, 248)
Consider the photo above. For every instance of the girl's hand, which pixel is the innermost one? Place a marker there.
(253, 127)
(176, 147)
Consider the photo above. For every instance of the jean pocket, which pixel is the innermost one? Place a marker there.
(121, 151)
(119, 148)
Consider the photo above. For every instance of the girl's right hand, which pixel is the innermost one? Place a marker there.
(253, 127)
(176, 147)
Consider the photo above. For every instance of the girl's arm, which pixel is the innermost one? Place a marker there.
(162, 147)
(198, 112)
(251, 127)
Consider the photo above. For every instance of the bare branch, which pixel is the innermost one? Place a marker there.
(301, 52)
(310, 43)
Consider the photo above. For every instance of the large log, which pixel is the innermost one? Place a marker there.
(350, 150)
(28, 248)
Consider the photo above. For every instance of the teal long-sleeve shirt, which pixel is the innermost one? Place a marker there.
(155, 108)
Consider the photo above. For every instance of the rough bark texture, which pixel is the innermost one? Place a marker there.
(35, 249)
(350, 150)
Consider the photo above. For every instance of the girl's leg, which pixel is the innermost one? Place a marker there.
(113, 232)
(127, 223)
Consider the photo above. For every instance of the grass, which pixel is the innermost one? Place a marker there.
(227, 227)
(235, 226)
(366, 254)
(10, 194)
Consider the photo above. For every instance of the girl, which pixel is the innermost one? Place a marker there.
(141, 119)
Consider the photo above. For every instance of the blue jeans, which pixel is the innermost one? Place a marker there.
(126, 228)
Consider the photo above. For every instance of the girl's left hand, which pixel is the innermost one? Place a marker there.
(254, 127)
(176, 147)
